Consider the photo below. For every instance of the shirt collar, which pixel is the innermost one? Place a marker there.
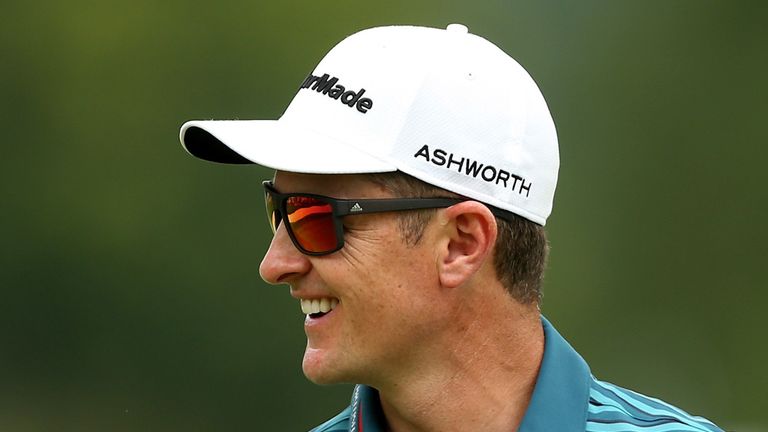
(367, 415)
(559, 401)
(561, 396)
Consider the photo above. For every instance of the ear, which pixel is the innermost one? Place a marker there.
(470, 230)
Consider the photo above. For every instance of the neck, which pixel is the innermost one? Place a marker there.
(480, 377)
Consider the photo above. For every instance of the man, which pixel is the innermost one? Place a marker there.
(415, 170)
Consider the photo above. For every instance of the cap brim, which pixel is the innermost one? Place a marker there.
(274, 145)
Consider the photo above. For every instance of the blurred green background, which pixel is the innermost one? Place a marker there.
(131, 299)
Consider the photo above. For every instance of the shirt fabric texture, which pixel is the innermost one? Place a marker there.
(566, 398)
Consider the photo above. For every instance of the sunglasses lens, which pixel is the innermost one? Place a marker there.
(311, 222)
(273, 215)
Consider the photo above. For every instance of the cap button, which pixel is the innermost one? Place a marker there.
(457, 28)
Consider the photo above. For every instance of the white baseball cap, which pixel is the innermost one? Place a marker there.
(445, 106)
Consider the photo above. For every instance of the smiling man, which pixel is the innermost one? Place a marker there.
(414, 172)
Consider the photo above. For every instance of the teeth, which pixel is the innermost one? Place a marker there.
(318, 305)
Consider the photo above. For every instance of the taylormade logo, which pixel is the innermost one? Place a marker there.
(475, 169)
(329, 86)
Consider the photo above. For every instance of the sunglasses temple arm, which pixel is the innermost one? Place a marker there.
(348, 207)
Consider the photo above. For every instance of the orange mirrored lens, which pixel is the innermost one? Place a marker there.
(311, 221)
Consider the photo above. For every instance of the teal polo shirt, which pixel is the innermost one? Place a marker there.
(566, 398)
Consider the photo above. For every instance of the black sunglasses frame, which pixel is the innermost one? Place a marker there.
(345, 207)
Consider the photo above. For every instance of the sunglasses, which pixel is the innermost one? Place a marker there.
(314, 222)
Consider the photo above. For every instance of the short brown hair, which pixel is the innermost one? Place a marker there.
(521, 247)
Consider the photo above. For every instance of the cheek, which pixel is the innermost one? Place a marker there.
(409, 287)
(384, 276)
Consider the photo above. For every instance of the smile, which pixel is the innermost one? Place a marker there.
(316, 308)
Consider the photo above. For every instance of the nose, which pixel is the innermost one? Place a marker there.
(283, 262)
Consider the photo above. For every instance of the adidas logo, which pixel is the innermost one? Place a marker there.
(356, 208)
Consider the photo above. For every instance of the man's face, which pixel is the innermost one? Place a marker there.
(385, 289)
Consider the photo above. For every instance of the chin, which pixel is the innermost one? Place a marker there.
(320, 369)
(322, 379)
